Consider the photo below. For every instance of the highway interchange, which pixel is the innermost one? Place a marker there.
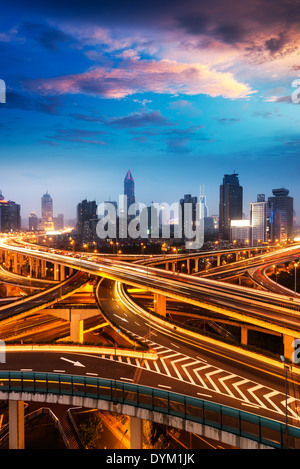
(186, 363)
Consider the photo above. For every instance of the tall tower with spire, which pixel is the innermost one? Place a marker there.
(129, 188)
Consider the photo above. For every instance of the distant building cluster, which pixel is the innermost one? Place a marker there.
(271, 219)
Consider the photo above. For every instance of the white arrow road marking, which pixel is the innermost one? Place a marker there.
(71, 361)
(122, 319)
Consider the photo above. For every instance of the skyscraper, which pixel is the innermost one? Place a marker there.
(10, 218)
(129, 188)
(258, 220)
(87, 219)
(47, 212)
(280, 215)
(231, 204)
(33, 222)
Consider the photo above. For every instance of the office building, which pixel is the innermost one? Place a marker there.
(47, 212)
(87, 219)
(280, 216)
(58, 222)
(129, 191)
(10, 216)
(231, 204)
(33, 222)
(258, 220)
(240, 231)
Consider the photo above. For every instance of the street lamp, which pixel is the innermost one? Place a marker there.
(115, 401)
(286, 418)
(296, 265)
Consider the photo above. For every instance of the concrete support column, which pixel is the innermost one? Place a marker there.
(167, 265)
(160, 304)
(218, 260)
(15, 263)
(62, 273)
(43, 269)
(173, 266)
(244, 335)
(197, 264)
(30, 266)
(76, 327)
(56, 271)
(37, 267)
(136, 433)
(188, 266)
(288, 346)
(16, 425)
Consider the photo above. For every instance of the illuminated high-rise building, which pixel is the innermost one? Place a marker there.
(280, 215)
(129, 188)
(231, 204)
(258, 220)
(10, 218)
(47, 212)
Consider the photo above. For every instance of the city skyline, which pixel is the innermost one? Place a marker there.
(246, 212)
(179, 95)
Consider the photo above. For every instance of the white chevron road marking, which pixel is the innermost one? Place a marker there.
(236, 387)
(221, 380)
(255, 388)
(268, 398)
(198, 375)
(208, 376)
(286, 405)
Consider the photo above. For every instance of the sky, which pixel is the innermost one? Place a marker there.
(179, 92)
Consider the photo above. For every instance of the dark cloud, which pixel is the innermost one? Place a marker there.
(47, 36)
(227, 120)
(275, 44)
(139, 119)
(77, 136)
(48, 105)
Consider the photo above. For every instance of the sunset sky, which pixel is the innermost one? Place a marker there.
(179, 92)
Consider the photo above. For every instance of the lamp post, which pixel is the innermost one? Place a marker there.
(296, 265)
(286, 418)
(115, 401)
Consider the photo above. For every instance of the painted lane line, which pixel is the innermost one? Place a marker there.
(92, 374)
(59, 371)
(122, 319)
(201, 394)
(163, 386)
(251, 405)
(127, 379)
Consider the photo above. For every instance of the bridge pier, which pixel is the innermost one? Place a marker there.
(244, 335)
(16, 425)
(160, 303)
(288, 348)
(136, 433)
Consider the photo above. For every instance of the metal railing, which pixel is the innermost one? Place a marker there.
(262, 430)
